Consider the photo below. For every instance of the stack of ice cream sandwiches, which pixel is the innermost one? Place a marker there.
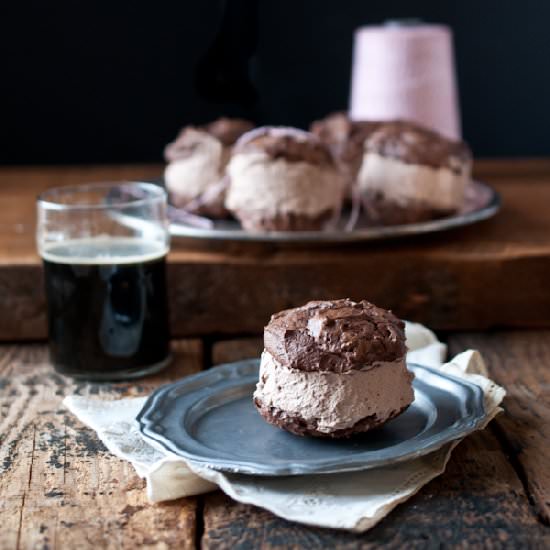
(286, 179)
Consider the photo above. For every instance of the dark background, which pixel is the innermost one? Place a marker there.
(113, 81)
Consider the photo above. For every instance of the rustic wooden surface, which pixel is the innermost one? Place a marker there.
(59, 486)
(227, 351)
(491, 274)
(478, 503)
(481, 501)
(521, 363)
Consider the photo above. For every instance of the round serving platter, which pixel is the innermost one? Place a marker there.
(209, 418)
(481, 202)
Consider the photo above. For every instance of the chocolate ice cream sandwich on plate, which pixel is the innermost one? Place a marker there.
(334, 394)
(333, 369)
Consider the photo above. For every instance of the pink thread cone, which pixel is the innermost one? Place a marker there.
(405, 71)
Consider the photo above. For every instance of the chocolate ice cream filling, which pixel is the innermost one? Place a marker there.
(267, 186)
(332, 400)
(404, 184)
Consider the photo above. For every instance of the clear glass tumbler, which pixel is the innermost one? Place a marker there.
(104, 250)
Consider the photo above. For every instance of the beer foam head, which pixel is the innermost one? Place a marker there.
(103, 250)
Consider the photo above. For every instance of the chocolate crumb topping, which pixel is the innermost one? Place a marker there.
(332, 130)
(226, 130)
(344, 137)
(414, 144)
(289, 143)
(188, 142)
(335, 335)
(406, 141)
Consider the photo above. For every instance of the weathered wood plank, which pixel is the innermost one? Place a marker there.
(477, 503)
(520, 361)
(227, 351)
(224, 295)
(59, 487)
(443, 280)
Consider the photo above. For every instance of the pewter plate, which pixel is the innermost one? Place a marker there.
(481, 202)
(209, 418)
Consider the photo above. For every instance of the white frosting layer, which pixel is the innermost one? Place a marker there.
(260, 183)
(402, 183)
(335, 401)
(189, 177)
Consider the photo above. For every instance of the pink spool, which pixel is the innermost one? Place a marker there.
(405, 71)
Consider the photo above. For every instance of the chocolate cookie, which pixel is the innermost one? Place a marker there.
(335, 335)
(291, 144)
(413, 144)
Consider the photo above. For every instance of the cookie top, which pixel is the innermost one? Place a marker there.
(190, 138)
(413, 144)
(333, 129)
(343, 136)
(335, 335)
(228, 130)
(399, 139)
(291, 144)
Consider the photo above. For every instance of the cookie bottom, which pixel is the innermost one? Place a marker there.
(282, 221)
(299, 426)
(383, 211)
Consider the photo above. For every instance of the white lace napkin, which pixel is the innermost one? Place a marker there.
(355, 501)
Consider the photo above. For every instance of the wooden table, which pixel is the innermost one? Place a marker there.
(60, 488)
(488, 275)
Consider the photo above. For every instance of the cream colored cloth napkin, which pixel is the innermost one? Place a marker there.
(354, 501)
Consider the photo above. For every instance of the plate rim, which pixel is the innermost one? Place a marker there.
(457, 430)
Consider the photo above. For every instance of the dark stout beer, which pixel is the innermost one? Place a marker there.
(107, 311)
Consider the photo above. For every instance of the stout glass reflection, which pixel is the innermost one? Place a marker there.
(104, 250)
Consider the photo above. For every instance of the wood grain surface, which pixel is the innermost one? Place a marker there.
(227, 351)
(520, 361)
(488, 275)
(59, 486)
(479, 502)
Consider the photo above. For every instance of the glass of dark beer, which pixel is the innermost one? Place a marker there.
(104, 250)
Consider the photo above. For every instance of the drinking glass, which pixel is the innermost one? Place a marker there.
(104, 248)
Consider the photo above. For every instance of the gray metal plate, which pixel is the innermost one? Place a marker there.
(481, 202)
(210, 418)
